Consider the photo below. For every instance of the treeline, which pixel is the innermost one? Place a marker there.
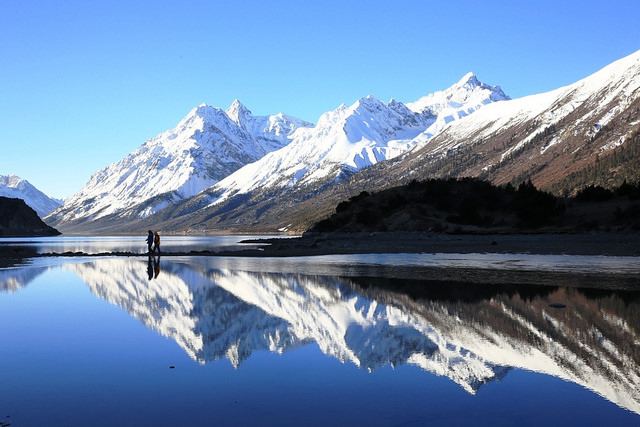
(620, 166)
(443, 205)
(469, 204)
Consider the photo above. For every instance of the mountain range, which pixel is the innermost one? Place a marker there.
(232, 171)
(205, 147)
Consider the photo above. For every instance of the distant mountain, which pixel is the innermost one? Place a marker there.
(206, 146)
(13, 186)
(18, 219)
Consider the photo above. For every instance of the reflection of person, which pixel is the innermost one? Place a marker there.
(150, 240)
(156, 267)
(150, 268)
(156, 242)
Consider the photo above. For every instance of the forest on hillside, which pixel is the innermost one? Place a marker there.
(471, 205)
(609, 170)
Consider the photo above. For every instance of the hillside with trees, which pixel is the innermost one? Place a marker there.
(470, 205)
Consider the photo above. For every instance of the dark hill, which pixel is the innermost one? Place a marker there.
(17, 219)
(472, 205)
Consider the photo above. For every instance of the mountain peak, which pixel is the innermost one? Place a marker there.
(238, 113)
(237, 105)
(467, 91)
(469, 81)
(369, 99)
(199, 111)
(10, 180)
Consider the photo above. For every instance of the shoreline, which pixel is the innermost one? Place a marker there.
(323, 244)
(611, 244)
(316, 244)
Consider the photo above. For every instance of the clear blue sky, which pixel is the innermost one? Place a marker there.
(84, 83)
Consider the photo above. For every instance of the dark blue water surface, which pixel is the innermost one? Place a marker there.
(221, 341)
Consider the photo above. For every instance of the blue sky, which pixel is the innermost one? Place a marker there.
(84, 83)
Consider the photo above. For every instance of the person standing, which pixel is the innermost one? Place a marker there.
(150, 240)
(156, 242)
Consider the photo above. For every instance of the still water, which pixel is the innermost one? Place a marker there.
(472, 339)
(135, 244)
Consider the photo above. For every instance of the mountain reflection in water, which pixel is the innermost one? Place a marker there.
(470, 333)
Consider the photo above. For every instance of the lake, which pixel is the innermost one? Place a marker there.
(390, 339)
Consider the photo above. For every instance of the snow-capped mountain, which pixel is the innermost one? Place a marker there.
(349, 139)
(278, 151)
(344, 141)
(214, 312)
(206, 146)
(470, 129)
(544, 137)
(555, 139)
(460, 100)
(15, 187)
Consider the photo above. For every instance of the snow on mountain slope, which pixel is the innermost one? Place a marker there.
(15, 187)
(206, 146)
(605, 93)
(351, 138)
(460, 100)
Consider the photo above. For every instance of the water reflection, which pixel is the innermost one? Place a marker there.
(12, 279)
(470, 333)
(153, 267)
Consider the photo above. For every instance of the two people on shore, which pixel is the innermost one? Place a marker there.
(153, 242)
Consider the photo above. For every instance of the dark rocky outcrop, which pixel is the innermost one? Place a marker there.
(19, 220)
